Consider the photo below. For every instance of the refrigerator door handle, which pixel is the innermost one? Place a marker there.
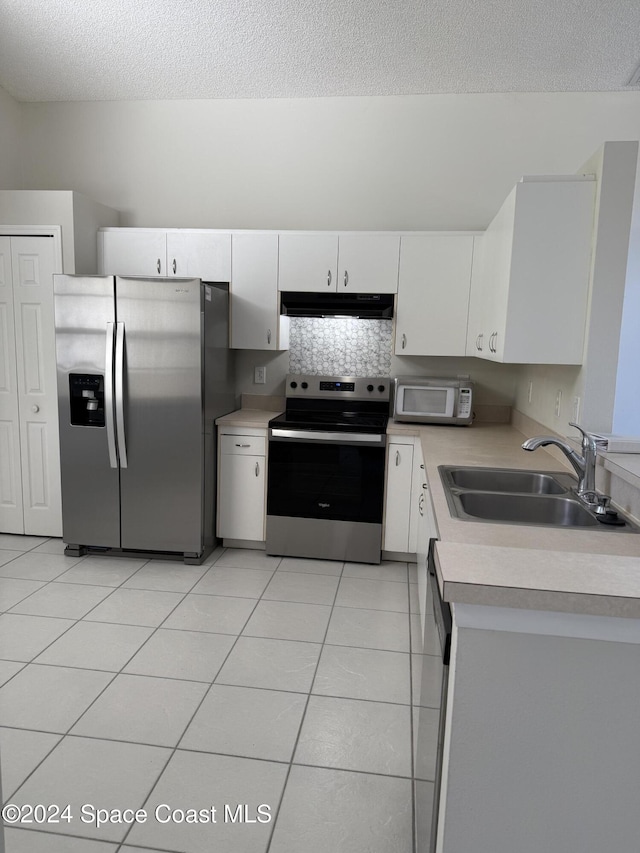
(108, 398)
(119, 392)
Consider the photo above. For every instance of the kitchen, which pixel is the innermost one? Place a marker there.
(192, 175)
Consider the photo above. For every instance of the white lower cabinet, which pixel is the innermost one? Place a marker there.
(242, 464)
(408, 508)
(398, 495)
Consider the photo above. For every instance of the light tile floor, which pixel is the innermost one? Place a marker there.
(284, 687)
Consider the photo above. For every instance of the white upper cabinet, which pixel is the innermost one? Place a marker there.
(433, 294)
(255, 306)
(368, 263)
(132, 251)
(185, 253)
(531, 276)
(346, 263)
(199, 254)
(308, 262)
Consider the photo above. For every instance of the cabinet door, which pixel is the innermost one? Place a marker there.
(433, 294)
(33, 264)
(550, 257)
(477, 336)
(241, 509)
(11, 513)
(368, 263)
(199, 254)
(255, 315)
(398, 497)
(308, 262)
(128, 251)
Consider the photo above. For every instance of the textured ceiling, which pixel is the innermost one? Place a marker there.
(68, 50)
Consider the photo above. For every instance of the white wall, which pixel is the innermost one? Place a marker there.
(10, 129)
(415, 162)
(409, 162)
(626, 416)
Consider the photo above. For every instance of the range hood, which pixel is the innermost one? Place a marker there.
(370, 306)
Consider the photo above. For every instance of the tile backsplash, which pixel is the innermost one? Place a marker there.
(340, 346)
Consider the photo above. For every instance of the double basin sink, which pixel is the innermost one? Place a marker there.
(511, 496)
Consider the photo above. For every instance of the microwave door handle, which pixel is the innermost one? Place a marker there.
(119, 392)
(108, 397)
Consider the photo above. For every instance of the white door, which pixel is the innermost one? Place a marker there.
(433, 294)
(11, 514)
(398, 498)
(33, 265)
(128, 251)
(255, 314)
(368, 263)
(199, 254)
(308, 262)
(241, 501)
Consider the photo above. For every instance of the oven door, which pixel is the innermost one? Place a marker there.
(325, 494)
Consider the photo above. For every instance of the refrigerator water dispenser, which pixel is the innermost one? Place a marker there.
(86, 399)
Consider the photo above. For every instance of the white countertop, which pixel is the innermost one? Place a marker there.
(509, 565)
(258, 418)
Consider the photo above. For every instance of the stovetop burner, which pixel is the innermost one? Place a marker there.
(342, 403)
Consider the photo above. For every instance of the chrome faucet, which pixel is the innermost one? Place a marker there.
(584, 466)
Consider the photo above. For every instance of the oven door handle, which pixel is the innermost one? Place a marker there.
(322, 437)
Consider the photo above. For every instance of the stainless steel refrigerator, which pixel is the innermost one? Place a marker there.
(144, 368)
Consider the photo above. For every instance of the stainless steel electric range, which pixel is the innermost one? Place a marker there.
(325, 493)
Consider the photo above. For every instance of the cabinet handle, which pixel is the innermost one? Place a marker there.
(35, 409)
(257, 469)
(346, 278)
(158, 266)
(329, 278)
(268, 336)
(243, 445)
(492, 342)
(397, 458)
(422, 466)
(404, 341)
(479, 340)
(425, 486)
(174, 266)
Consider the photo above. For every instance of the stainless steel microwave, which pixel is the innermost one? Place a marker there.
(433, 401)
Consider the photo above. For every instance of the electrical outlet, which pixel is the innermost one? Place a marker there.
(558, 402)
(260, 375)
(530, 395)
(576, 410)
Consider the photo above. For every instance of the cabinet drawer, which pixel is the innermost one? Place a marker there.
(247, 445)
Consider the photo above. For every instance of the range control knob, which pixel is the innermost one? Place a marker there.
(305, 384)
(369, 387)
(381, 388)
(294, 384)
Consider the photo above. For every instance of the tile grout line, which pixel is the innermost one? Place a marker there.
(197, 708)
(309, 693)
(303, 717)
(107, 685)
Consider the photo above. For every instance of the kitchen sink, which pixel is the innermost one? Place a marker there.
(508, 480)
(526, 509)
(512, 496)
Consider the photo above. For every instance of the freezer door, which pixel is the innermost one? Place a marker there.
(159, 413)
(84, 318)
